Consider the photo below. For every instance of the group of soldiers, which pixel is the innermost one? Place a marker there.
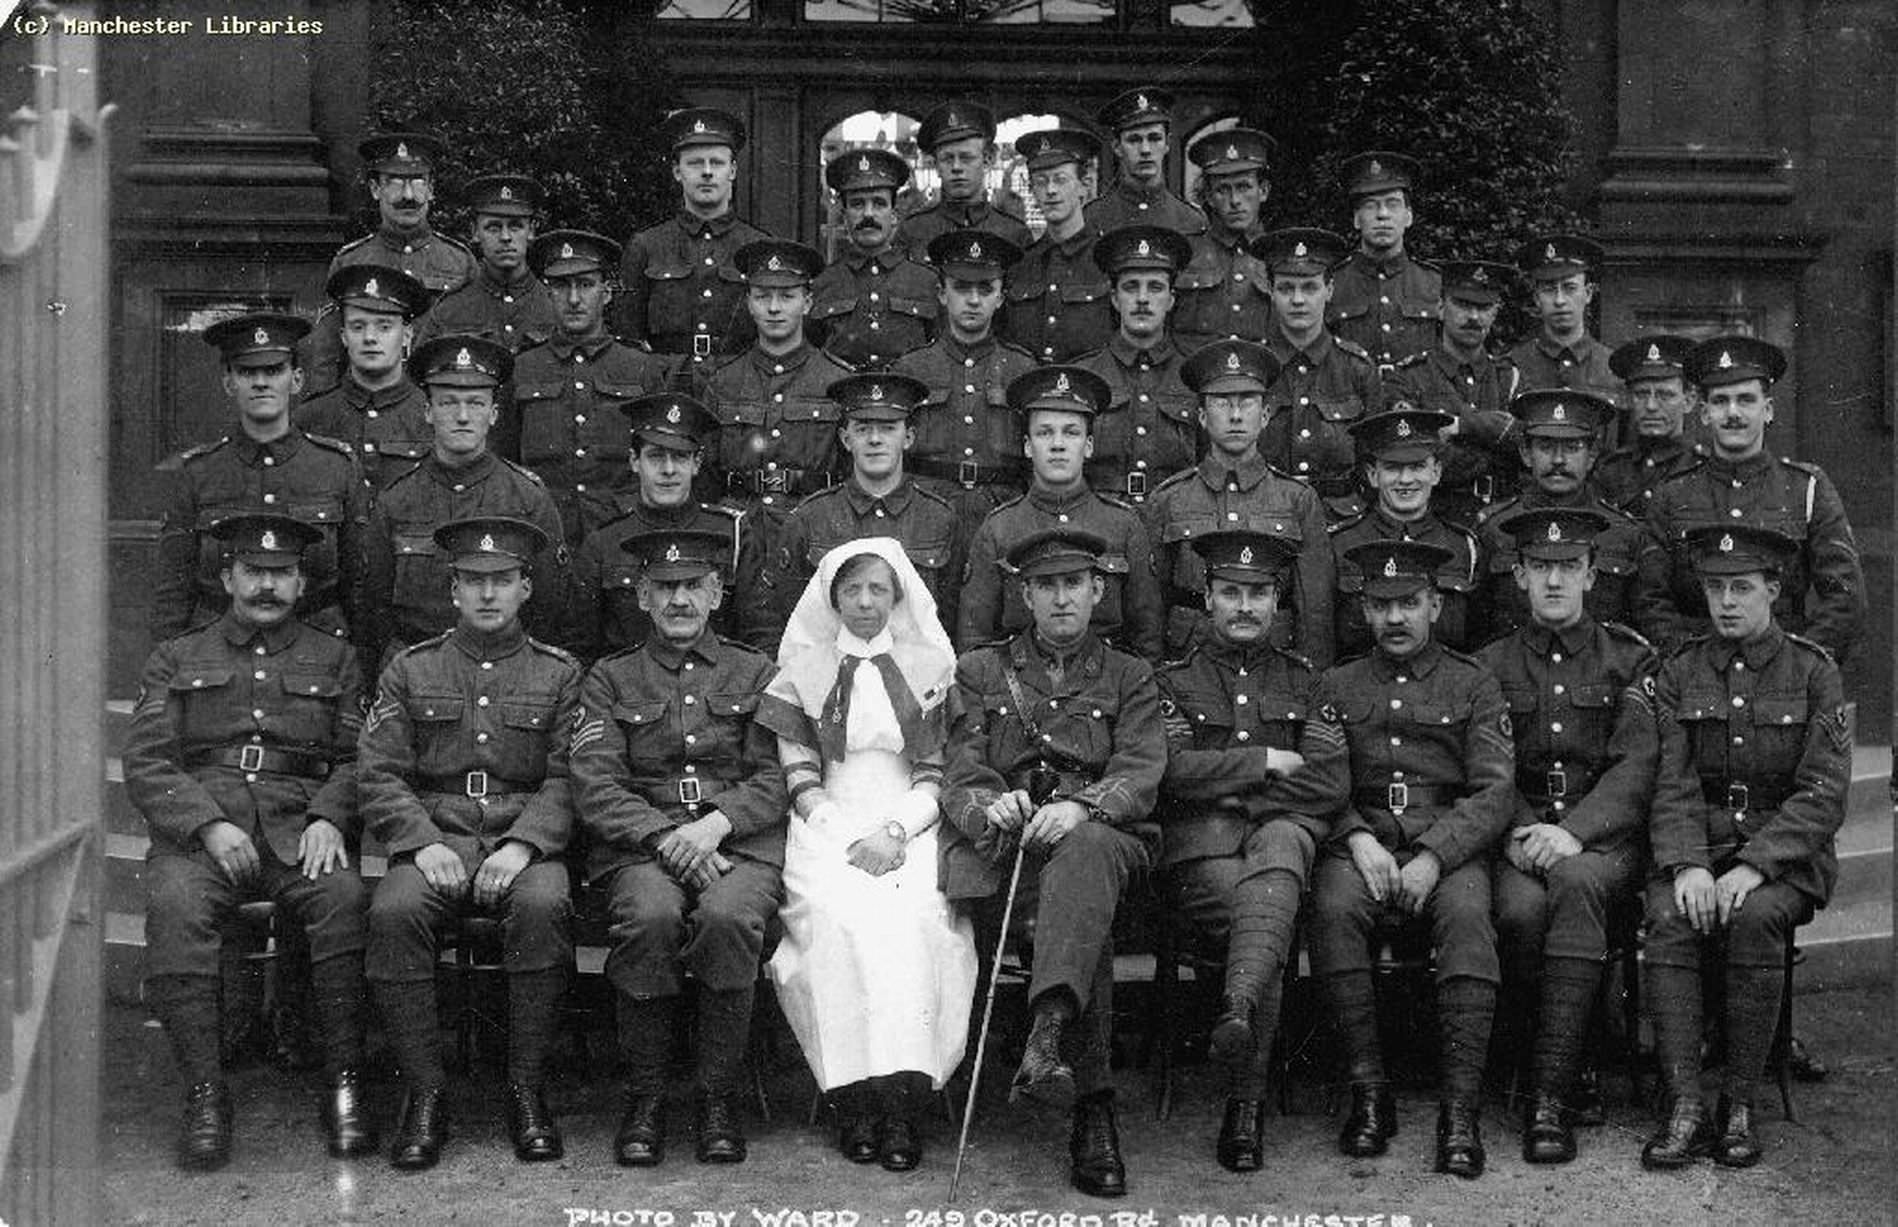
(1269, 576)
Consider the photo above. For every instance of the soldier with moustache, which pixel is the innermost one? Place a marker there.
(1225, 292)
(568, 391)
(1821, 590)
(1140, 122)
(670, 433)
(1561, 270)
(680, 290)
(1383, 298)
(877, 499)
(1325, 383)
(1057, 296)
(1149, 430)
(1561, 437)
(1458, 375)
(1581, 704)
(1232, 488)
(1653, 374)
(1255, 775)
(873, 304)
(268, 465)
(1059, 405)
(959, 139)
(504, 301)
(1403, 462)
(377, 409)
(968, 441)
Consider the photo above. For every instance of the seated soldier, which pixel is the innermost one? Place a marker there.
(1255, 774)
(1582, 709)
(1056, 751)
(464, 778)
(1756, 757)
(1432, 767)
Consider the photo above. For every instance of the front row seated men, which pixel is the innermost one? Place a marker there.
(1056, 753)
(463, 777)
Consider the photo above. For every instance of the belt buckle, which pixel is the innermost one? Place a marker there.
(1738, 797)
(771, 481)
(968, 472)
(1484, 488)
(689, 793)
(251, 758)
(701, 345)
(476, 785)
(1558, 783)
(1397, 797)
(1136, 485)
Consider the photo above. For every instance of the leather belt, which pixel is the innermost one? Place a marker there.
(1398, 797)
(254, 757)
(689, 790)
(1558, 784)
(968, 474)
(1733, 795)
(476, 784)
(792, 483)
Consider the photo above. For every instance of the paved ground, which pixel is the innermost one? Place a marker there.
(1836, 1166)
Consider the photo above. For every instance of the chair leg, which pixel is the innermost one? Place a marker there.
(1163, 1016)
(1783, 1037)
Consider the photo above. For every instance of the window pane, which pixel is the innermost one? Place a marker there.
(995, 12)
(1212, 13)
(706, 10)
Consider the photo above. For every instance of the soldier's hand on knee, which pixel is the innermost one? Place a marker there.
(1051, 823)
(1283, 762)
(1694, 897)
(1375, 865)
(231, 850)
(1010, 811)
(1546, 844)
(1417, 880)
(321, 849)
(1731, 889)
(498, 872)
(1516, 852)
(442, 869)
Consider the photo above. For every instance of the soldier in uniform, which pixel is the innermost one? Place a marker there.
(503, 302)
(1255, 775)
(1059, 405)
(1057, 296)
(878, 499)
(376, 409)
(1233, 488)
(464, 778)
(968, 441)
(400, 169)
(1433, 769)
(684, 805)
(959, 138)
(267, 464)
(1654, 377)
(1141, 122)
(777, 423)
(1457, 375)
(1560, 437)
(1821, 591)
(1383, 298)
(406, 589)
(1057, 747)
(1324, 383)
(1581, 702)
(1756, 757)
(873, 303)
(670, 433)
(1561, 271)
(1403, 462)
(1225, 291)
(1149, 430)
(241, 759)
(567, 391)
(680, 288)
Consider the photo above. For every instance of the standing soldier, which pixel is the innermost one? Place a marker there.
(377, 409)
(1059, 405)
(1027, 713)
(1654, 380)
(1561, 436)
(1383, 298)
(684, 804)
(407, 590)
(1255, 775)
(464, 779)
(1225, 291)
(241, 759)
(266, 465)
(968, 441)
(1403, 462)
(567, 392)
(680, 288)
(1457, 375)
(1821, 590)
(1756, 757)
(1057, 295)
(1233, 489)
(1433, 770)
(1581, 703)
(959, 138)
(1141, 122)
(874, 304)
(1149, 430)
(878, 499)
(503, 302)
(1561, 269)
(670, 433)
(1325, 383)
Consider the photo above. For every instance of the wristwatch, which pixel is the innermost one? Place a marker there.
(897, 831)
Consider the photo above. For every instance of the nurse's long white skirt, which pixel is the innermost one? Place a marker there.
(875, 974)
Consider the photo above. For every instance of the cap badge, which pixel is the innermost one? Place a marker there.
(487, 543)
(369, 287)
(698, 125)
(1141, 103)
(672, 552)
(1654, 353)
(1390, 568)
(1232, 153)
(566, 251)
(1555, 530)
(1403, 428)
(1726, 544)
(507, 193)
(863, 163)
(268, 540)
(1061, 383)
(1726, 360)
(261, 336)
(672, 415)
(1301, 251)
(876, 391)
(1245, 556)
(1480, 275)
(1145, 249)
(401, 149)
(1559, 413)
(464, 358)
(1376, 169)
(975, 250)
(774, 264)
(1232, 361)
(1549, 253)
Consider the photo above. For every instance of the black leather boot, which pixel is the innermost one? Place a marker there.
(424, 1127)
(345, 1115)
(721, 1137)
(1683, 1137)
(204, 1142)
(1372, 1121)
(641, 1140)
(531, 1125)
(1094, 1148)
(1044, 1076)
(1242, 1136)
(1546, 1136)
(1233, 1038)
(1737, 1146)
(1460, 1139)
